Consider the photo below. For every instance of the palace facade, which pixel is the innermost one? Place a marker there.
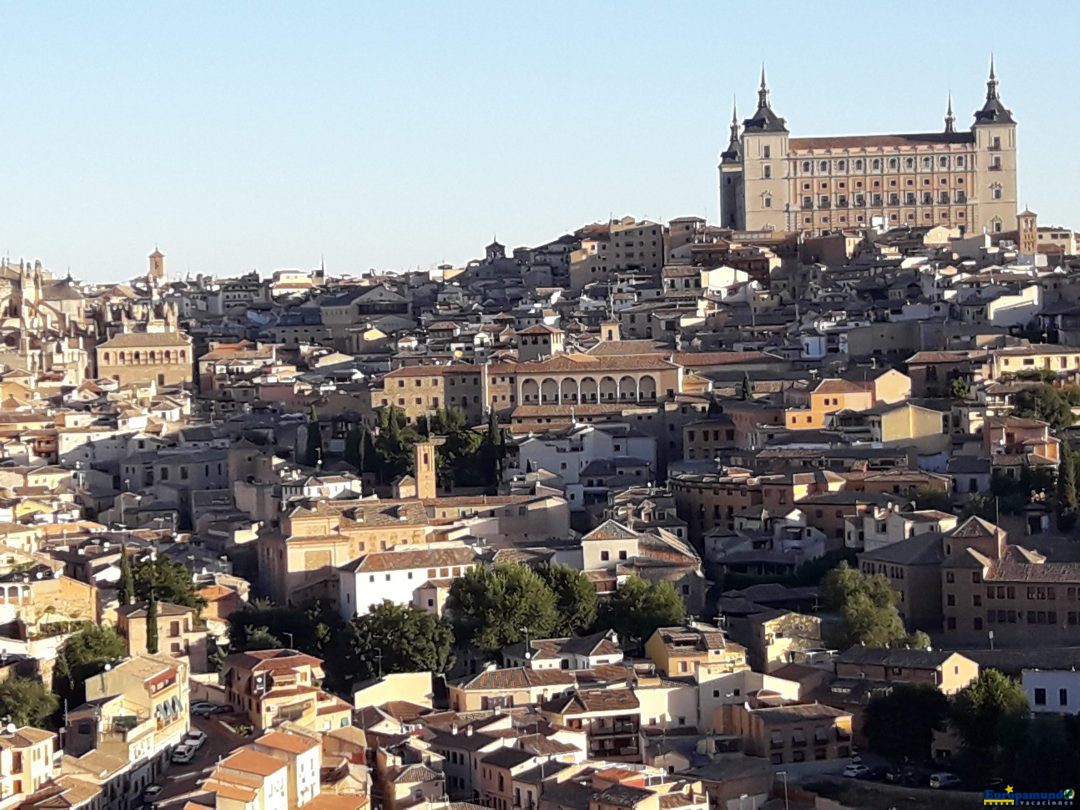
(957, 178)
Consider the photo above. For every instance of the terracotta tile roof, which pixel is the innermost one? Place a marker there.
(248, 761)
(872, 141)
(412, 558)
(518, 678)
(291, 743)
(137, 340)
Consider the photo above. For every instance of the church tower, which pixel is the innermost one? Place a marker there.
(157, 267)
(764, 162)
(995, 161)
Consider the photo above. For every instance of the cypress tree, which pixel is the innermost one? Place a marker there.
(151, 624)
(127, 579)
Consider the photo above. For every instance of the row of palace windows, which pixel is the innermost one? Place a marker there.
(876, 164)
(910, 198)
(149, 357)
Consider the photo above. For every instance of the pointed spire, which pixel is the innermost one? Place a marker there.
(763, 90)
(734, 121)
(992, 82)
(950, 119)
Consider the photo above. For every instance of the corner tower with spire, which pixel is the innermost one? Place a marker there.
(764, 152)
(994, 129)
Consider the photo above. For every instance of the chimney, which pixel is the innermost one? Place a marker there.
(468, 731)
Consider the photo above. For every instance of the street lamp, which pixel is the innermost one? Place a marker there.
(528, 651)
(292, 644)
(378, 657)
(784, 774)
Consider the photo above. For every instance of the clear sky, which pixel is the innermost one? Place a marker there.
(402, 134)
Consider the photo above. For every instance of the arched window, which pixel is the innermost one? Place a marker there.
(995, 191)
(875, 164)
(910, 163)
(894, 163)
(824, 166)
(858, 165)
(137, 357)
(807, 166)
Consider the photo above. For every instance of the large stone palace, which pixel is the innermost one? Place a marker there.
(958, 178)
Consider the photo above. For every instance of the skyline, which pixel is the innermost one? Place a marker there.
(268, 138)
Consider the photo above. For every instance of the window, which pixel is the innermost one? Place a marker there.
(807, 166)
(766, 172)
(928, 162)
(894, 163)
(995, 191)
(1063, 697)
(766, 152)
(858, 165)
(768, 202)
(1040, 696)
(943, 161)
(909, 163)
(824, 166)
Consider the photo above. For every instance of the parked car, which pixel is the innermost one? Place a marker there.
(150, 794)
(876, 773)
(202, 708)
(944, 780)
(183, 754)
(195, 738)
(856, 771)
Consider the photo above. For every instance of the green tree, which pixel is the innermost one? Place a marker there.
(926, 498)
(126, 590)
(313, 449)
(1044, 402)
(982, 711)
(260, 638)
(84, 655)
(960, 388)
(638, 607)
(309, 629)
(1046, 758)
(393, 638)
(170, 581)
(459, 455)
(902, 722)
(354, 447)
(151, 624)
(918, 641)
(575, 598)
(1067, 503)
(867, 605)
(490, 608)
(392, 446)
(27, 702)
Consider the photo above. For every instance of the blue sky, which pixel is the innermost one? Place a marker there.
(403, 134)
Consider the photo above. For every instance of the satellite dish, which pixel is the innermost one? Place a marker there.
(10, 728)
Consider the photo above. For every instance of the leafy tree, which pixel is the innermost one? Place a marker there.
(1045, 403)
(979, 504)
(392, 638)
(27, 702)
(638, 607)
(902, 723)
(151, 624)
(960, 388)
(575, 598)
(982, 710)
(747, 391)
(309, 630)
(391, 454)
(169, 581)
(260, 638)
(1046, 757)
(490, 608)
(84, 655)
(926, 498)
(867, 605)
(458, 455)
(918, 641)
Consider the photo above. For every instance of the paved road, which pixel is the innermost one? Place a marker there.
(181, 780)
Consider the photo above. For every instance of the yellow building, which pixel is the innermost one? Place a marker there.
(694, 649)
(810, 407)
(273, 686)
(140, 357)
(959, 178)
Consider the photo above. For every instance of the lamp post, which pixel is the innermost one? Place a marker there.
(292, 643)
(528, 651)
(784, 774)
